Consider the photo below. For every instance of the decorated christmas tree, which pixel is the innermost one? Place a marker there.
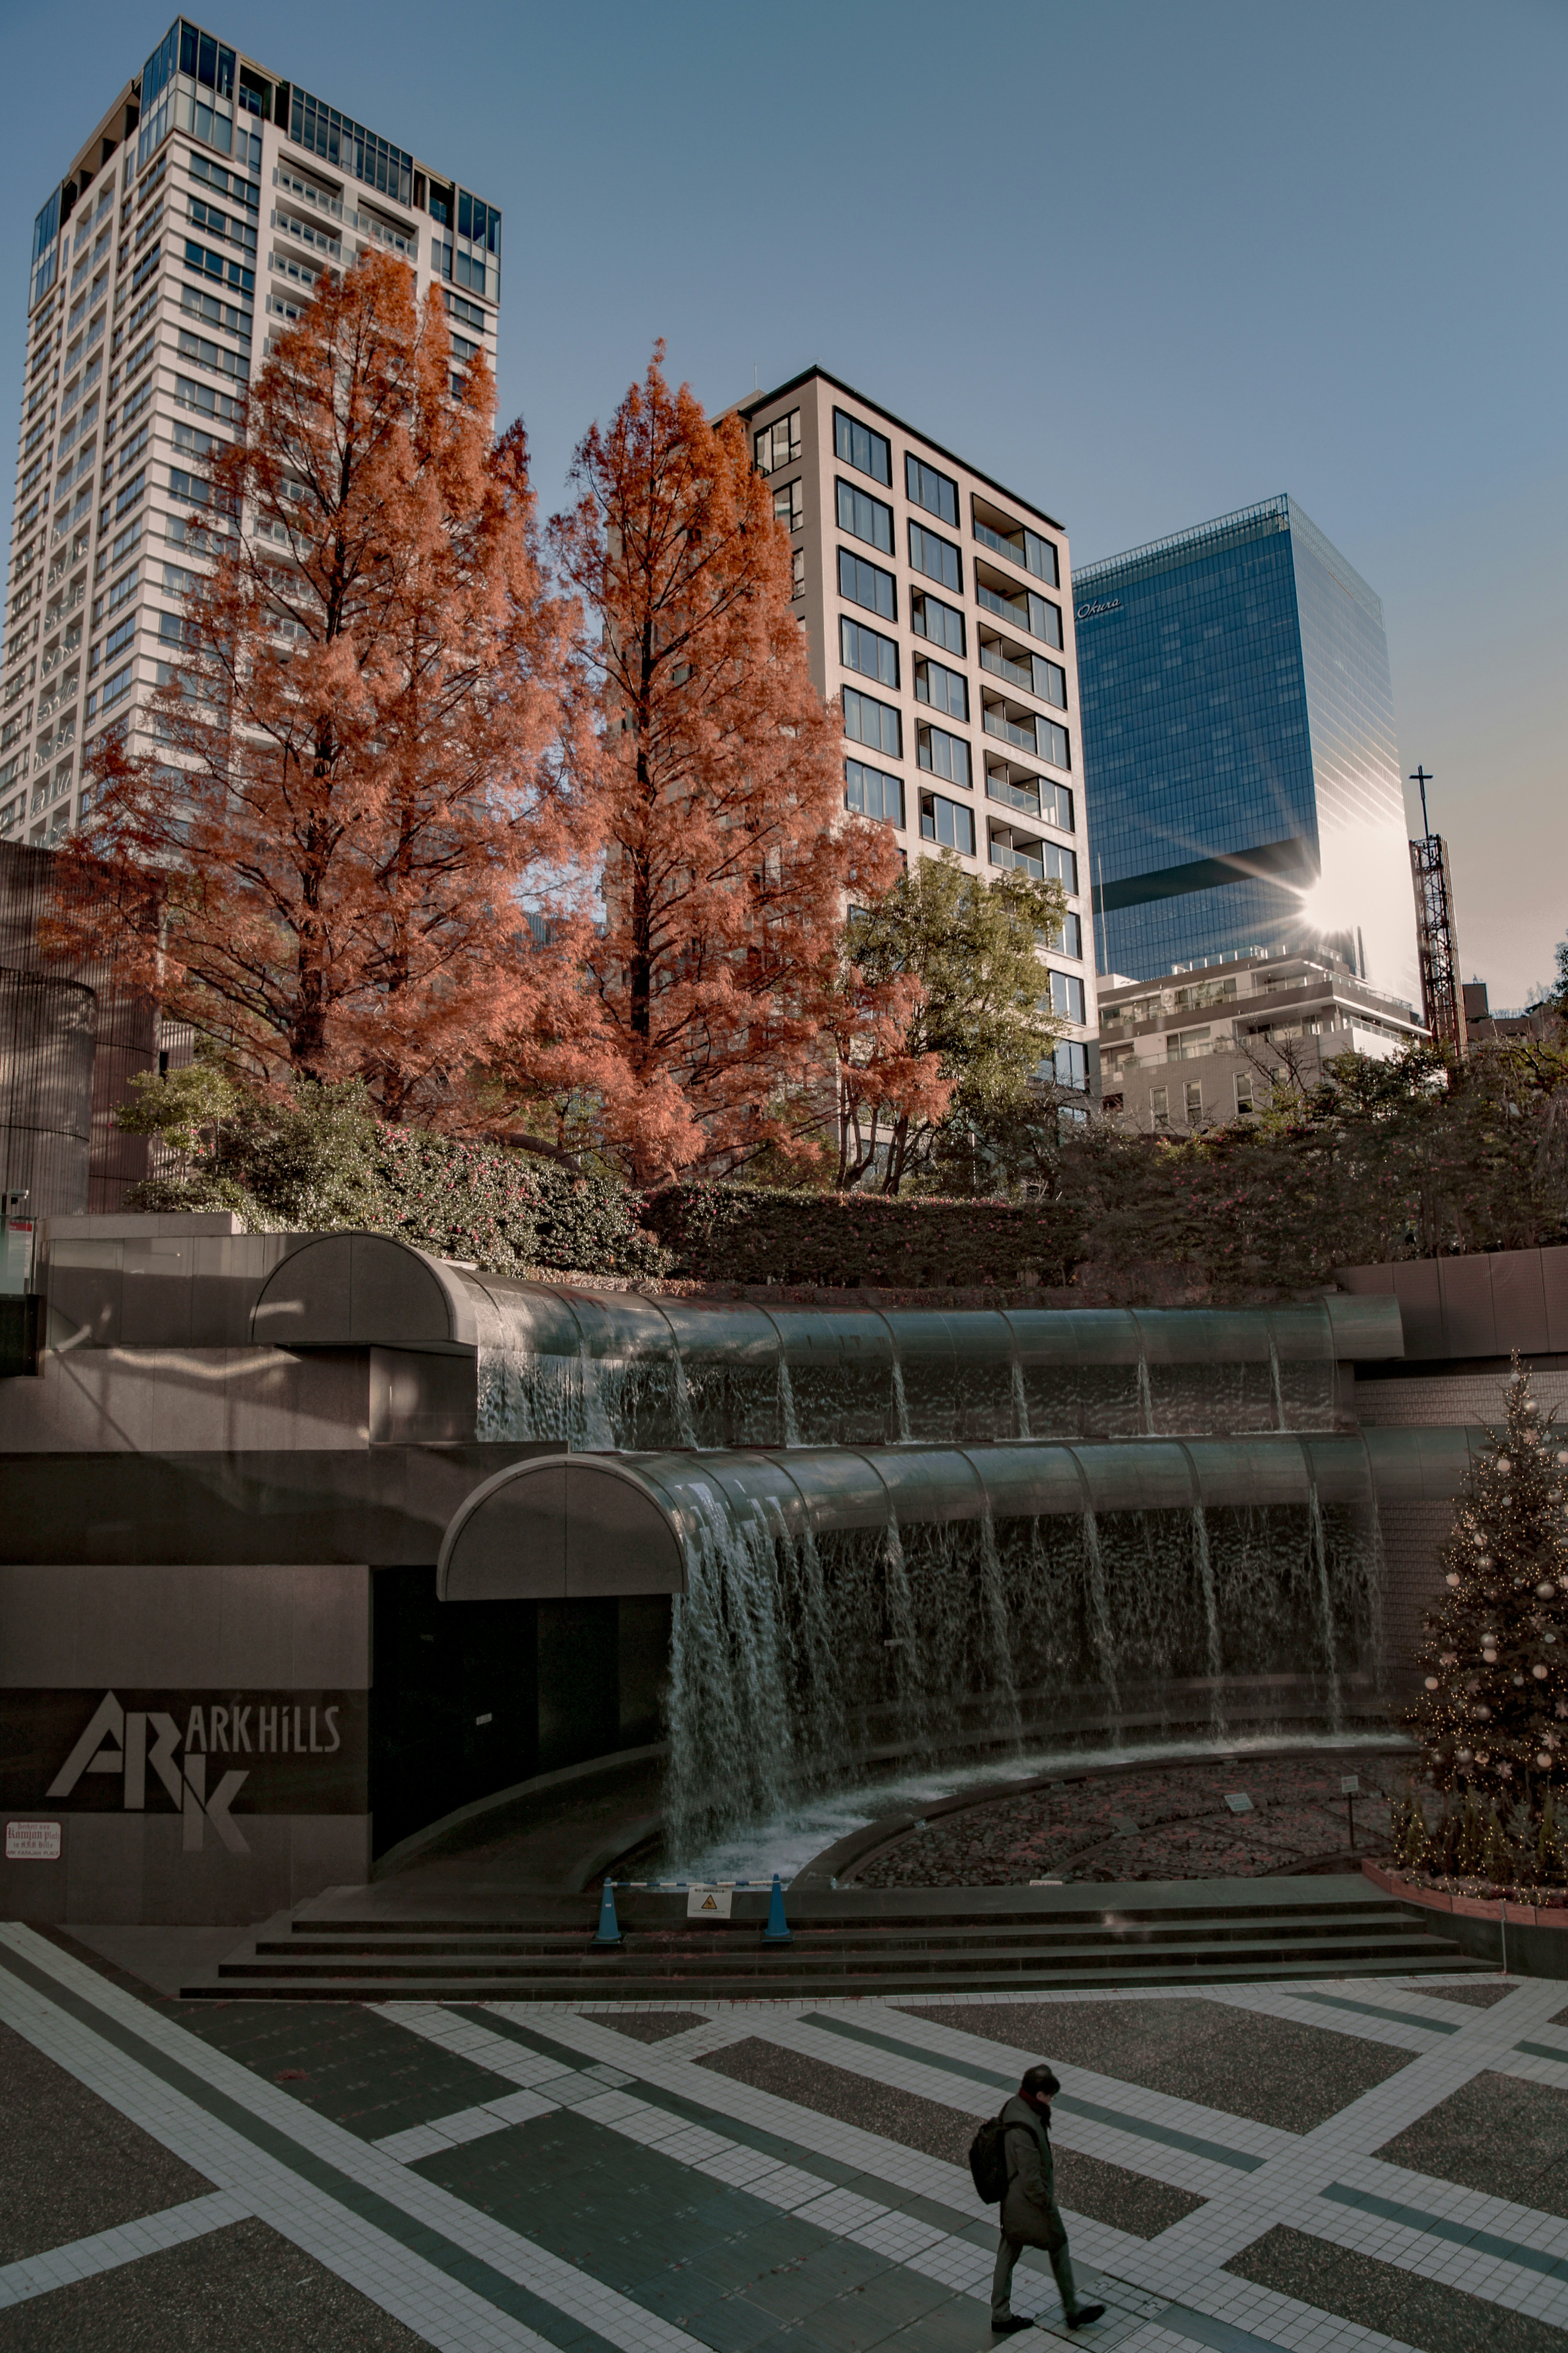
(1492, 1714)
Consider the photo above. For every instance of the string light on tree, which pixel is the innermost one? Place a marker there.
(1492, 1712)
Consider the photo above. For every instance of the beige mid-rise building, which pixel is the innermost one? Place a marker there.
(191, 225)
(938, 605)
(1213, 1043)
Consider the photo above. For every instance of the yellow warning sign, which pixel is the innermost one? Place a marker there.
(709, 1903)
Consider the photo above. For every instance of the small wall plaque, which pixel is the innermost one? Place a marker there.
(32, 1841)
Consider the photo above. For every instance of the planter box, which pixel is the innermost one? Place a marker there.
(1536, 1936)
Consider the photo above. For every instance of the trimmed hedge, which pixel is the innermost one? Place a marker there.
(753, 1233)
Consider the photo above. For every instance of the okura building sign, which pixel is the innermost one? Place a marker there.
(211, 1757)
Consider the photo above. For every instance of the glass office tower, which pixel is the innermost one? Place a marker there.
(1238, 747)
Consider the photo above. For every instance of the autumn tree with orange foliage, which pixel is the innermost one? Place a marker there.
(357, 756)
(713, 782)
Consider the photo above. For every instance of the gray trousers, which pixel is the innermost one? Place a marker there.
(1008, 2254)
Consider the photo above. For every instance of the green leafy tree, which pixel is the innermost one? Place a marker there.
(181, 1110)
(980, 1014)
(1492, 1714)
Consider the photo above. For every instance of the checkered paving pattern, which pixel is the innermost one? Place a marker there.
(545, 2175)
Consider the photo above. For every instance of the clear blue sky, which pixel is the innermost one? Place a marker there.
(1146, 261)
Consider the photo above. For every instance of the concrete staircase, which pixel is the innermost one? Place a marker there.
(845, 1942)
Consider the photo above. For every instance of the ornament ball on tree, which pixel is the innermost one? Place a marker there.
(1492, 1712)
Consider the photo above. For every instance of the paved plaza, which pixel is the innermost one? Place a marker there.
(1343, 2163)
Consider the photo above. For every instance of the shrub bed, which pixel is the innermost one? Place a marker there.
(754, 1233)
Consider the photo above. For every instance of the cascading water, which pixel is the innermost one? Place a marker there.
(992, 1593)
(730, 1721)
(685, 1430)
(1325, 1605)
(1020, 1401)
(1213, 1660)
(901, 1403)
(937, 1628)
(791, 1426)
(793, 1667)
(903, 1641)
(635, 1376)
(1146, 1398)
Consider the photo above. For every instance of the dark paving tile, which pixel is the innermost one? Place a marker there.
(851, 2099)
(648, 2025)
(674, 2242)
(961, 2325)
(244, 2289)
(70, 2164)
(1558, 2018)
(1270, 2070)
(1495, 2134)
(366, 2074)
(1480, 1994)
(1110, 2193)
(1420, 2312)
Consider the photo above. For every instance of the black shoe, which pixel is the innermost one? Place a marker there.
(1084, 2315)
(1014, 2322)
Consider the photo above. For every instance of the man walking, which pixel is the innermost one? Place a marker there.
(1029, 2216)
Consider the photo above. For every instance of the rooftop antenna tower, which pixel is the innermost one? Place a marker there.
(1442, 998)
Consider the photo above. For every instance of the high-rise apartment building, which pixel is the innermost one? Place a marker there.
(935, 603)
(1239, 747)
(193, 223)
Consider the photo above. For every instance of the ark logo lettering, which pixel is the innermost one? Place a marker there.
(117, 1741)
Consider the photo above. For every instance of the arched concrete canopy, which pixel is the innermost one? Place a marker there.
(363, 1290)
(560, 1527)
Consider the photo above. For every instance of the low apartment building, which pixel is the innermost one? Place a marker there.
(938, 604)
(1209, 1043)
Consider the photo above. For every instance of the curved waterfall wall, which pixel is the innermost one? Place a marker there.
(908, 1532)
(618, 1370)
(846, 1605)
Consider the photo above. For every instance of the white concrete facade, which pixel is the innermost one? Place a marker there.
(940, 605)
(190, 226)
(1205, 1045)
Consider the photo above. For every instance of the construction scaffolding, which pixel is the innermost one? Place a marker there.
(1442, 998)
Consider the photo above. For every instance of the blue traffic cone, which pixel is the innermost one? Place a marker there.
(778, 1930)
(609, 1928)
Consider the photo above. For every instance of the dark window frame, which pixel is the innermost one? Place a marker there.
(927, 662)
(939, 801)
(951, 548)
(913, 468)
(885, 710)
(858, 425)
(920, 596)
(885, 782)
(847, 621)
(841, 489)
(924, 731)
(848, 555)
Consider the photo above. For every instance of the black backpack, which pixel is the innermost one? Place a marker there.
(988, 2162)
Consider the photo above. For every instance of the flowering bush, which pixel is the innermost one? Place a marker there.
(316, 1159)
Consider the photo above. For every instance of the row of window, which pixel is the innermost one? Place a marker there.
(860, 445)
(1246, 1088)
(868, 720)
(868, 584)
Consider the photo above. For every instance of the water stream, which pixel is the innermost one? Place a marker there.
(789, 1671)
(803, 1661)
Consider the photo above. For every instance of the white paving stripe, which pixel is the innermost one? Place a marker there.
(105, 2251)
(296, 2206)
(1242, 2207)
(918, 2246)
